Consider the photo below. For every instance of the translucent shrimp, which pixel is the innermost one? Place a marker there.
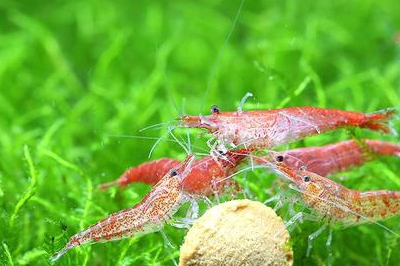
(336, 157)
(155, 209)
(270, 128)
(334, 202)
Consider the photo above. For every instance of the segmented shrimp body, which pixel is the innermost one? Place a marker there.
(336, 203)
(337, 157)
(149, 173)
(149, 215)
(271, 128)
(202, 179)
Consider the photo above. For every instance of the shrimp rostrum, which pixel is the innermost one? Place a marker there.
(155, 209)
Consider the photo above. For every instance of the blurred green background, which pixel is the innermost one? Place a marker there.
(79, 79)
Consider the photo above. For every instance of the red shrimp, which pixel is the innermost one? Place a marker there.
(336, 203)
(149, 173)
(270, 128)
(201, 180)
(156, 208)
(206, 173)
(336, 157)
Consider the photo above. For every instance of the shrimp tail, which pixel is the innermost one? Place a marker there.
(105, 186)
(149, 173)
(58, 255)
(380, 121)
(88, 235)
(122, 181)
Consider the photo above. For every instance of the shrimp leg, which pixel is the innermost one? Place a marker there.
(313, 236)
(300, 217)
(329, 247)
(193, 211)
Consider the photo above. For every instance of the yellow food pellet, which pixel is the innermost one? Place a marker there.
(239, 232)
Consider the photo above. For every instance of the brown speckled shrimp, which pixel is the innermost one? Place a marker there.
(270, 128)
(336, 157)
(336, 203)
(332, 203)
(202, 178)
(156, 208)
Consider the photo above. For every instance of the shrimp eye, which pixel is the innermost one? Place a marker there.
(173, 173)
(279, 158)
(221, 152)
(307, 179)
(215, 109)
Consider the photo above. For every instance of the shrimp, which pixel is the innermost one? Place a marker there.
(270, 128)
(149, 173)
(334, 202)
(202, 178)
(156, 208)
(336, 157)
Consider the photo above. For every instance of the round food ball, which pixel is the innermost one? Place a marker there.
(238, 232)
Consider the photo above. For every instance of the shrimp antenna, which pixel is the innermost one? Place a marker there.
(181, 143)
(189, 149)
(168, 88)
(189, 142)
(157, 142)
(241, 171)
(149, 138)
(169, 91)
(220, 54)
(158, 125)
